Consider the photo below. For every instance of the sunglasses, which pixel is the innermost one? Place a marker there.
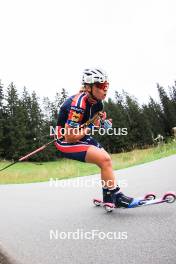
(102, 86)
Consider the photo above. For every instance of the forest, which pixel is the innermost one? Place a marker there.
(25, 121)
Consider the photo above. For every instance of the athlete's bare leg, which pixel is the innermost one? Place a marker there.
(101, 158)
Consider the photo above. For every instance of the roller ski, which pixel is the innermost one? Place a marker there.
(116, 199)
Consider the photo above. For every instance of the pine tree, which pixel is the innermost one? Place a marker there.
(63, 97)
(47, 109)
(59, 99)
(153, 113)
(118, 114)
(139, 135)
(37, 127)
(34, 127)
(25, 105)
(13, 125)
(173, 92)
(173, 98)
(1, 119)
(39, 132)
(168, 108)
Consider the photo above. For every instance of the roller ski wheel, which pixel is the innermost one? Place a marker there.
(150, 196)
(109, 207)
(169, 197)
(97, 202)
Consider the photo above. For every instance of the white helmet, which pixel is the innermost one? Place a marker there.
(94, 75)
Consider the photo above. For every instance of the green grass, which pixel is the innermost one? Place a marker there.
(27, 172)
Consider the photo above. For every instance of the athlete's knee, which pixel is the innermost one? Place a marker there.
(106, 161)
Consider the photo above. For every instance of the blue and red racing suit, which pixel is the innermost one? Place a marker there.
(74, 112)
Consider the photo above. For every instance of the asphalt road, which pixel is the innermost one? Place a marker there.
(46, 224)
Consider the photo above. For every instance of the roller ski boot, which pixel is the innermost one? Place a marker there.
(115, 199)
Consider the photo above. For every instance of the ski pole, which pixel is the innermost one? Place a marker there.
(29, 154)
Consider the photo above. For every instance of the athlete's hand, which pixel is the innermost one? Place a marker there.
(104, 122)
(102, 115)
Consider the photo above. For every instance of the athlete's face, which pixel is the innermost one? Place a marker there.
(100, 90)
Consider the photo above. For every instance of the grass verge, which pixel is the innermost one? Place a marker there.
(28, 172)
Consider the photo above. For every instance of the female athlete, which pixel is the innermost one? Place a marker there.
(77, 144)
